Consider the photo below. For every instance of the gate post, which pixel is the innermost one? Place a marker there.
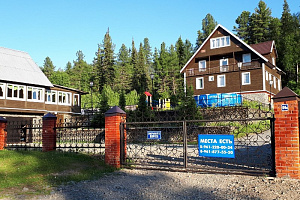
(113, 118)
(49, 132)
(287, 147)
(3, 134)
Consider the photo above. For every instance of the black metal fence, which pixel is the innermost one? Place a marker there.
(178, 149)
(72, 135)
(24, 134)
(78, 135)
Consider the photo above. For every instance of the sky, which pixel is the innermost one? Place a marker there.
(60, 28)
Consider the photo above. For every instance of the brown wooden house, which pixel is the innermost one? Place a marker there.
(226, 64)
(26, 91)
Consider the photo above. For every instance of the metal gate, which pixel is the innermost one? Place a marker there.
(175, 145)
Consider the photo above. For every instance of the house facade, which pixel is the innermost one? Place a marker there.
(226, 64)
(26, 91)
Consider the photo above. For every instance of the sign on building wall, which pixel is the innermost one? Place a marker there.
(216, 146)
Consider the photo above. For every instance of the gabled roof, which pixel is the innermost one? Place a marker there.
(18, 66)
(264, 47)
(231, 34)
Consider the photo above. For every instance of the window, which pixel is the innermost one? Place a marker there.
(2, 90)
(76, 100)
(202, 65)
(279, 84)
(190, 72)
(51, 96)
(64, 98)
(199, 83)
(267, 76)
(246, 78)
(220, 42)
(35, 94)
(224, 65)
(247, 59)
(274, 79)
(221, 81)
(15, 92)
(211, 78)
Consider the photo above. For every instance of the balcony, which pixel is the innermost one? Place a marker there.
(221, 69)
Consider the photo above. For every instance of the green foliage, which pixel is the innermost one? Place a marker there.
(243, 29)
(188, 107)
(60, 77)
(48, 67)
(208, 25)
(122, 100)
(132, 98)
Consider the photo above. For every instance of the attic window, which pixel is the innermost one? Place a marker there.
(220, 42)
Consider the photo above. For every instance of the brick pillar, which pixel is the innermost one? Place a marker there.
(287, 158)
(113, 118)
(3, 123)
(49, 132)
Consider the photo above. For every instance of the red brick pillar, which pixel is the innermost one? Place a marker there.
(287, 147)
(3, 133)
(113, 118)
(49, 132)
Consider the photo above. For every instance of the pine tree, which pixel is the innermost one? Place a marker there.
(104, 63)
(242, 30)
(123, 80)
(208, 25)
(48, 67)
(260, 23)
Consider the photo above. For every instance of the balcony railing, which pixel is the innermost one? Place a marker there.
(221, 69)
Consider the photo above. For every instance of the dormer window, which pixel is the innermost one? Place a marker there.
(220, 42)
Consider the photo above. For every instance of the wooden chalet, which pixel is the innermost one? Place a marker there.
(226, 64)
(26, 91)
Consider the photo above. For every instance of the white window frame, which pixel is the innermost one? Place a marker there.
(211, 78)
(37, 90)
(273, 61)
(201, 69)
(74, 103)
(224, 68)
(218, 80)
(246, 62)
(219, 42)
(13, 97)
(49, 93)
(68, 98)
(198, 85)
(3, 86)
(274, 80)
(279, 84)
(244, 78)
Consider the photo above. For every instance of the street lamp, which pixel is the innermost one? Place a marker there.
(270, 83)
(152, 78)
(91, 86)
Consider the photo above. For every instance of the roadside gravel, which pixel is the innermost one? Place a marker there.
(142, 184)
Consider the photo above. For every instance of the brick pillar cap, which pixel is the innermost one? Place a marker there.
(286, 94)
(49, 115)
(114, 111)
(2, 119)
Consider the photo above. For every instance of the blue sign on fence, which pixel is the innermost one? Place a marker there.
(216, 146)
(154, 135)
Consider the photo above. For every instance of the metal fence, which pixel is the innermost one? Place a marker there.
(177, 147)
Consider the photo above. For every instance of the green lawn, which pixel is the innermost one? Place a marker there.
(34, 172)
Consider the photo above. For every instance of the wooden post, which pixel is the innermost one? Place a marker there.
(287, 147)
(113, 118)
(3, 133)
(49, 132)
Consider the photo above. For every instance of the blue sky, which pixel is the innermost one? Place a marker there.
(59, 28)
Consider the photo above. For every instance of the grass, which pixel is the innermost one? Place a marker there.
(34, 172)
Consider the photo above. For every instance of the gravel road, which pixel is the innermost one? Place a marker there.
(142, 184)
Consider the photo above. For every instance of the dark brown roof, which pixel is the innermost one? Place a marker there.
(263, 48)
